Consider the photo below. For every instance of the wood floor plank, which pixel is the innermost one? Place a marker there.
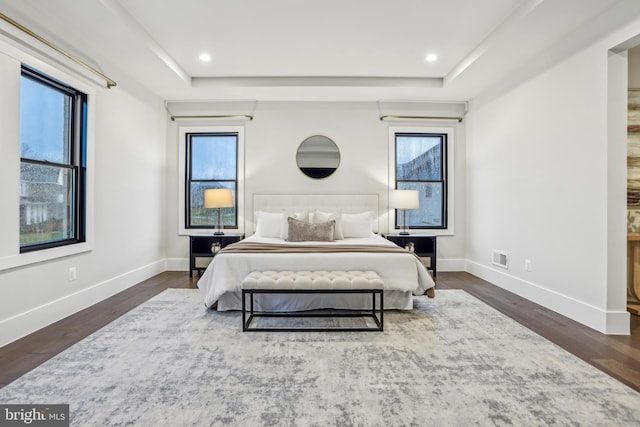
(618, 356)
(629, 376)
(625, 348)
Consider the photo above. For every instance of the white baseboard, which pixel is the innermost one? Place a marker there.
(451, 264)
(607, 322)
(29, 321)
(177, 264)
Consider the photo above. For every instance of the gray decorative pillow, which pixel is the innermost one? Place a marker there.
(301, 231)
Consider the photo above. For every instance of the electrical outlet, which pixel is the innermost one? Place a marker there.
(527, 265)
(73, 274)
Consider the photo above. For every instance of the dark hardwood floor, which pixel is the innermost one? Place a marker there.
(619, 356)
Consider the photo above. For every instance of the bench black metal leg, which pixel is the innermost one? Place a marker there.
(244, 312)
(381, 311)
(251, 301)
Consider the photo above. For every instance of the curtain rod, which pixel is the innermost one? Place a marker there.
(110, 83)
(233, 116)
(391, 117)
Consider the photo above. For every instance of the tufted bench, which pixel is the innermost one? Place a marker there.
(313, 282)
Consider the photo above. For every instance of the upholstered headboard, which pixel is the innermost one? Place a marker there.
(346, 203)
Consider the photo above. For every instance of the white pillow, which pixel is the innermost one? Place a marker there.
(300, 216)
(268, 224)
(320, 217)
(357, 225)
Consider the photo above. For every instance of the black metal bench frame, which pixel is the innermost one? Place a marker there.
(376, 312)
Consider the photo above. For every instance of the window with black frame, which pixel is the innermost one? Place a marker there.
(52, 162)
(212, 162)
(421, 165)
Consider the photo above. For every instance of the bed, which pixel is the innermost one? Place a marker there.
(357, 247)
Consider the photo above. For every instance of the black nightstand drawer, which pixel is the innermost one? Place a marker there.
(425, 246)
(200, 249)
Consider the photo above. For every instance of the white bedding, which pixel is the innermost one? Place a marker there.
(402, 274)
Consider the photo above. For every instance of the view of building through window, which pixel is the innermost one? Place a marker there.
(421, 166)
(212, 160)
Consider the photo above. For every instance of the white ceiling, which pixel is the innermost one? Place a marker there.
(317, 50)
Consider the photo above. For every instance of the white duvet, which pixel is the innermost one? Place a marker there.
(399, 271)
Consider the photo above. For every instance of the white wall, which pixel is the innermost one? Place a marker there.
(634, 69)
(271, 141)
(545, 173)
(126, 210)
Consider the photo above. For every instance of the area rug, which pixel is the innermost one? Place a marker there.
(451, 361)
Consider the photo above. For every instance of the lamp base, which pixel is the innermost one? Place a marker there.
(404, 230)
(219, 227)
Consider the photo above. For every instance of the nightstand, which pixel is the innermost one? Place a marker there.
(424, 246)
(200, 254)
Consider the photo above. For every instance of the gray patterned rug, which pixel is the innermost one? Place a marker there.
(451, 361)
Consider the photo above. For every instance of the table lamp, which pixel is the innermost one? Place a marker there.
(218, 198)
(404, 199)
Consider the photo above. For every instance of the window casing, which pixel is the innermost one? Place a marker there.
(421, 165)
(211, 162)
(52, 162)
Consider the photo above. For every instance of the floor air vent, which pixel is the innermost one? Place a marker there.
(500, 258)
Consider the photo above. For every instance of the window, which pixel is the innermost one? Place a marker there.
(52, 163)
(211, 162)
(421, 164)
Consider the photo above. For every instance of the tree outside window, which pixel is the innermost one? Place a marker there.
(52, 163)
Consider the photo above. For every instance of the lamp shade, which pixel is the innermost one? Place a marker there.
(404, 199)
(218, 198)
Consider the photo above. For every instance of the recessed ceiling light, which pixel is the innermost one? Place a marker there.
(205, 57)
(432, 57)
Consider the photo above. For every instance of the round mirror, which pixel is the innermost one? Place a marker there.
(318, 156)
